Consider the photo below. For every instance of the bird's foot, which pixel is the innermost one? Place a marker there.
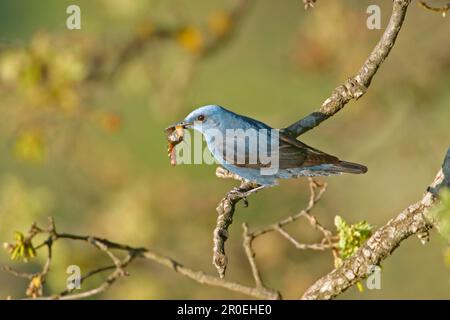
(243, 193)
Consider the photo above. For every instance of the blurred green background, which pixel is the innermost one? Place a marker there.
(92, 152)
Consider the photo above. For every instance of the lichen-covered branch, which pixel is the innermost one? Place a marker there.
(356, 86)
(412, 220)
(225, 211)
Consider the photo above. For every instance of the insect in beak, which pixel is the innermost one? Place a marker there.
(175, 135)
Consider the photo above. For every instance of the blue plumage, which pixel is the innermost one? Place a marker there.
(292, 157)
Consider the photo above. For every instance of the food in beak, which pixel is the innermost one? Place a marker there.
(174, 136)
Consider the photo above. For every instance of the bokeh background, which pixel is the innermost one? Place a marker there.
(82, 140)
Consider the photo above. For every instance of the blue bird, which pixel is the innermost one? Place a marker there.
(237, 153)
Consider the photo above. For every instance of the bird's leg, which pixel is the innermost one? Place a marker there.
(256, 189)
(243, 191)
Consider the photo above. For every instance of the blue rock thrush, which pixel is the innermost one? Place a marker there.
(258, 153)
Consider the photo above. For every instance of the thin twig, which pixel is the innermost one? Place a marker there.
(106, 246)
(315, 196)
(442, 10)
(355, 87)
(313, 199)
(247, 243)
(304, 246)
(203, 278)
(87, 276)
(16, 273)
(116, 274)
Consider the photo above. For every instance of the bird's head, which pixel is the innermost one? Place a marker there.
(204, 118)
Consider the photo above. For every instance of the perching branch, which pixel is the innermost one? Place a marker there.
(356, 86)
(353, 88)
(225, 211)
(412, 220)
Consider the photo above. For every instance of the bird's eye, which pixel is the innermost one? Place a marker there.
(201, 117)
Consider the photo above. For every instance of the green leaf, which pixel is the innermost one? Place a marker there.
(23, 248)
(351, 237)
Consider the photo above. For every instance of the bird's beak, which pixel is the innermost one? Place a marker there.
(184, 125)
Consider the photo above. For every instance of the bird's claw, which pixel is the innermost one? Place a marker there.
(243, 194)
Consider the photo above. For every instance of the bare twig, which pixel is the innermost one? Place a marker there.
(203, 278)
(16, 273)
(198, 276)
(248, 239)
(116, 274)
(107, 246)
(87, 276)
(326, 243)
(303, 246)
(313, 199)
(442, 10)
(412, 220)
(356, 86)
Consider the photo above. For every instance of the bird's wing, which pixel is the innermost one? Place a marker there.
(292, 153)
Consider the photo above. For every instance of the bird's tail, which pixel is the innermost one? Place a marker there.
(349, 167)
